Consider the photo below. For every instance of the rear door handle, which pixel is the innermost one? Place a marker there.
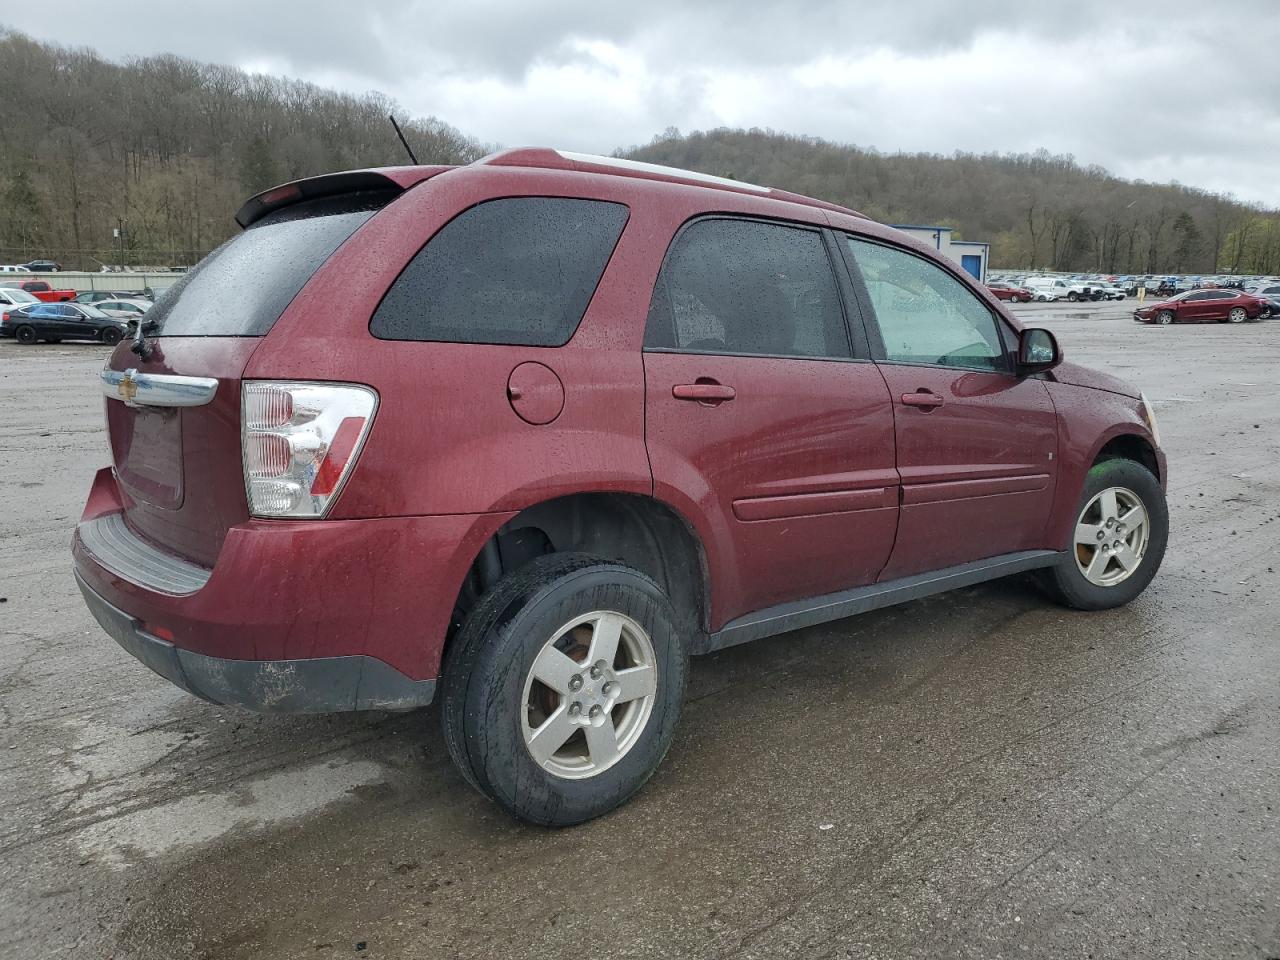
(708, 392)
(922, 398)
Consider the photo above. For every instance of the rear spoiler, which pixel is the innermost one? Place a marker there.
(396, 179)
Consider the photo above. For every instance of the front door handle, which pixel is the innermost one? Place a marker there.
(704, 391)
(926, 399)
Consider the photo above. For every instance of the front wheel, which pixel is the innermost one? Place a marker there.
(1015, 299)
(562, 690)
(111, 335)
(1073, 296)
(1164, 317)
(1119, 539)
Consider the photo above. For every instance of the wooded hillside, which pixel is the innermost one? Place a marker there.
(170, 146)
(1036, 210)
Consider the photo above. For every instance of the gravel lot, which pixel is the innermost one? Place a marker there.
(976, 775)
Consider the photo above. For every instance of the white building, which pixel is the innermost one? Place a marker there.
(970, 254)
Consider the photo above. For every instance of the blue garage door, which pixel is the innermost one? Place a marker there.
(972, 263)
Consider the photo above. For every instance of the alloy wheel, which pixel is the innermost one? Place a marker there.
(1111, 537)
(1237, 315)
(589, 694)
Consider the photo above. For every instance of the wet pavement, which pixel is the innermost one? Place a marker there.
(980, 774)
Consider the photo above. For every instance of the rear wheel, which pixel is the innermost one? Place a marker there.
(111, 335)
(1118, 542)
(1237, 315)
(1164, 317)
(25, 334)
(562, 690)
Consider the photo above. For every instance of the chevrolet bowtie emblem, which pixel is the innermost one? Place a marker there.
(127, 389)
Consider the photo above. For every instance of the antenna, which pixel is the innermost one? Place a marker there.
(407, 149)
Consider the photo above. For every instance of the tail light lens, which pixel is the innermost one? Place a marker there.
(299, 442)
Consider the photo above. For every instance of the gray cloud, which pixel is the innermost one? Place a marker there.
(1173, 90)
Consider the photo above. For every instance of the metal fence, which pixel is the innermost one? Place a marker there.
(81, 282)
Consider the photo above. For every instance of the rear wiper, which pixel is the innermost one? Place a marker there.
(141, 327)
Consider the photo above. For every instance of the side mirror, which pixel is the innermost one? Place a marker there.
(1037, 350)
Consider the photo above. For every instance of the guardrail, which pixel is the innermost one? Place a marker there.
(82, 282)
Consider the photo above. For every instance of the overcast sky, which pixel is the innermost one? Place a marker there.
(1159, 91)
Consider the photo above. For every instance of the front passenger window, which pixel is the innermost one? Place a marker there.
(925, 315)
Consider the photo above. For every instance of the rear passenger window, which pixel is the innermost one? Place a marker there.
(518, 271)
(746, 287)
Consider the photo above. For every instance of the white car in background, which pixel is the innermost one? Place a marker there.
(1055, 288)
(12, 297)
(124, 309)
(13, 268)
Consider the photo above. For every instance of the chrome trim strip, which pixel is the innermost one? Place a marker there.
(157, 389)
(110, 541)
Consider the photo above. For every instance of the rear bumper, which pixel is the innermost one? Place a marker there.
(316, 685)
(353, 613)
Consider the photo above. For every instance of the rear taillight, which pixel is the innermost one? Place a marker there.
(4, 318)
(299, 442)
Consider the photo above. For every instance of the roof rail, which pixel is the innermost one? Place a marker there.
(547, 158)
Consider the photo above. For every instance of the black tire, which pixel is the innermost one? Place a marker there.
(483, 685)
(25, 334)
(1073, 296)
(1068, 585)
(111, 335)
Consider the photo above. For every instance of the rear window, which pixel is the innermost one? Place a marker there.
(516, 271)
(243, 287)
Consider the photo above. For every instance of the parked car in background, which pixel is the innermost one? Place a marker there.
(1014, 294)
(1105, 290)
(124, 309)
(54, 322)
(1205, 306)
(95, 296)
(43, 266)
(41, 290)
(13, 297)
(1056, 288)
(360, 362)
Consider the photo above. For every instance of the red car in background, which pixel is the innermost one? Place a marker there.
(1205, 306)
(41, 290)
(1003, 291)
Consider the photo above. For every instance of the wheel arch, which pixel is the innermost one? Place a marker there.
(1130, 446)
(641, 531)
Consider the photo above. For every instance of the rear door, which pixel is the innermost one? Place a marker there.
(762, 419)
(976, 445)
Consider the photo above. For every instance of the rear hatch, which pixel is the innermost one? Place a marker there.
(179, 466)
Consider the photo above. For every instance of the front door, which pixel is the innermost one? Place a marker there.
(763, 424)
(976, 443)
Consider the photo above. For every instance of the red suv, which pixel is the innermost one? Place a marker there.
(528, 433)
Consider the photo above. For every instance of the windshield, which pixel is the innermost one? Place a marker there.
(93, 313)
(241, 288)
(20, 296)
